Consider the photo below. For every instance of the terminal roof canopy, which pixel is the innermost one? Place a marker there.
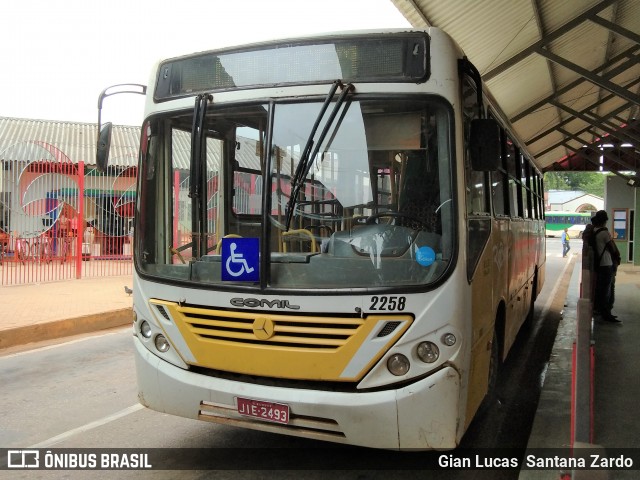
(567, 74)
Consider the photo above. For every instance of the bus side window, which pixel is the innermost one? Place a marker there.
(476, 187)
(510, 157)
(477, 193)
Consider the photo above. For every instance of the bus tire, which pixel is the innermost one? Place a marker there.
(491, 397)
(494, 368)
(534, 294)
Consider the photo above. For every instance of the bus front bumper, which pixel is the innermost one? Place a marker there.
(422, 415)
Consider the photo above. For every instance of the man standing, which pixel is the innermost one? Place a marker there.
(565, 243)
(604, 267)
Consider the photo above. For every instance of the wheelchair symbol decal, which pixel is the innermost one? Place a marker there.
(240, 259)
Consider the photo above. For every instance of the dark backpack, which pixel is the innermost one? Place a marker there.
(597, 256)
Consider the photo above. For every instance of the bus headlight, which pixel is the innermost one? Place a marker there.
(428, 352)
(449, 339)
(162, 344)
(145, 329)
(398, 364)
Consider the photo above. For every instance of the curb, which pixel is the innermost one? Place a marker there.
(65, 328)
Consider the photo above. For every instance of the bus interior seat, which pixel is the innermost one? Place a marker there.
(420, 193)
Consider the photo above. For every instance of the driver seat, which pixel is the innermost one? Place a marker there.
(420, 194)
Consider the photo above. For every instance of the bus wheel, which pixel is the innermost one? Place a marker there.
(530, 314)
(491, 397)
(494, 368)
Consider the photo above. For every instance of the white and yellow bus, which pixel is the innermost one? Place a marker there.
(336, 237)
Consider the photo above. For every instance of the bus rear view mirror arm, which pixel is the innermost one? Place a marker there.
(104, 132)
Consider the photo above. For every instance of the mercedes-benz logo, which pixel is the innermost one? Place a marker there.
(263, 328)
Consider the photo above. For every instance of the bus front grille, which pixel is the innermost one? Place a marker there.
(281, 331)
(283, 345)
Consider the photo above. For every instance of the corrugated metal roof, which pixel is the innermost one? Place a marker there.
(24, 139)
(32, 140)
(564, 196)
(565, 73)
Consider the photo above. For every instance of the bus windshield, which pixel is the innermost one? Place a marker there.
(374, 210)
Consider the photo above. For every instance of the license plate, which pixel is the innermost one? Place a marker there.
(271, 412)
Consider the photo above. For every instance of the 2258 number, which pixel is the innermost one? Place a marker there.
(388, 303)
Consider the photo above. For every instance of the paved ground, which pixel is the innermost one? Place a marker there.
(32, 313)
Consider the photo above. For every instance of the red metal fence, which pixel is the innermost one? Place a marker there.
(59, 221)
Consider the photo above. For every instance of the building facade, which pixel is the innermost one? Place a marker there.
(60, 217)
(572, 201)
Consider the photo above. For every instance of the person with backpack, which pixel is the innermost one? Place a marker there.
(606, 258)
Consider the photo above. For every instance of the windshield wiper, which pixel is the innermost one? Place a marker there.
(307, 155)
(196, 186)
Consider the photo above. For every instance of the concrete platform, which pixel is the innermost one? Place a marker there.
(38, 312)
(616, 385)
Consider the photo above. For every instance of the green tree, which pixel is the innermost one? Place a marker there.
(588, 182)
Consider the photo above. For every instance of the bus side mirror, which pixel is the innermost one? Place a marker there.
(485, 145)
(102, 149)
(104, 137)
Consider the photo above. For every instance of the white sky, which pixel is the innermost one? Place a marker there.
(58, 55)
